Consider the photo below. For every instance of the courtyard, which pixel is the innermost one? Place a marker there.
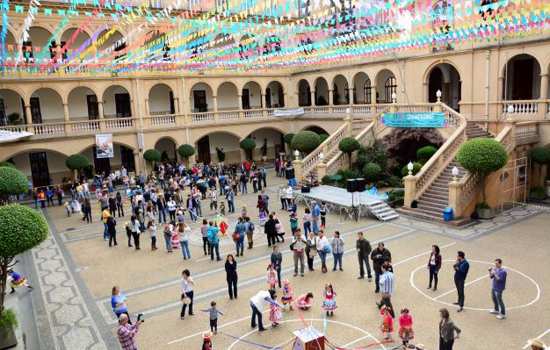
(74, 270)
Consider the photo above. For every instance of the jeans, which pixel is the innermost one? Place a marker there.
(153, 243)
(310, 259)
(172, 215)
(120, 210)
(244, 189)
(214, 247)
(232, 287)
(231, 206)
(205, 245)
(112, 239)
(364, 260)
(192, 214)
(497, 300)
(459, 283)
(283, 204)
(135, 236)
(185, 250)
(307, 227)
(443, 345)
(433, 276)
(256, 314)
(184, 306)
(323, 257)
(168, 243)
(377, 280)
(315, 225)
(214, 325)
(162, 216)
(105, 232)
(337, 260)
(239, 245)
(298, 258)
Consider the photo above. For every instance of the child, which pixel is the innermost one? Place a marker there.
(262, 217)
(175, 239)
(387, 322)
(271, 277)
(405, 327)
(304, 301)
(287, 297)
(152, 228)
(206, 341)
(244, 212)
(222, 208)
(213, 313)
(275, 314)
(323, 212)
(329, 304)
(68, 209)
(17, 281)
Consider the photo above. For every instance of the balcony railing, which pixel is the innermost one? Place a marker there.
(512, 110)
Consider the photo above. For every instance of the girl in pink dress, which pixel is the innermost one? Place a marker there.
(175, 239)
(304, 301)
(275, 314)
(288, 295)
(405, 327)
(387, 322)
(271, 277)
(329, 304)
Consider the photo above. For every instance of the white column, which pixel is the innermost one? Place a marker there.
(100, 109)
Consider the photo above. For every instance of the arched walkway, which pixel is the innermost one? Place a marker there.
(274, 95)
(445, 78)
(72, 40)
(340, 90)
(9, 50)
(252, 95)
(269, 143)
(83, 104)
(117, 102)
(37, 44)
(304, 93)
(321, 92)
(207, 144)
(167, 148)
(201, 98)
(521, 78)
(46, 106)
(161, 100)
(12, 110)
(362, 89)
(42, 167)
(386, 86)
(114, 43)
(123, 156)
(228, 96)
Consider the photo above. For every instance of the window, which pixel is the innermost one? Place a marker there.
(368, 91)
(390, 88)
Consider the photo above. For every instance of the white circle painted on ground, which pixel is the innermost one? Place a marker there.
(345, 324)
(530, 279)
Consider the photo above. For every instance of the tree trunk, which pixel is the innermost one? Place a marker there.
(349, 159)
(3, 281)
(482, 183)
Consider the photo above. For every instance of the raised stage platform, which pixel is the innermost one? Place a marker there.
(348, 204)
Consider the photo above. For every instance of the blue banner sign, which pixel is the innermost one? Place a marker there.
(414, 120)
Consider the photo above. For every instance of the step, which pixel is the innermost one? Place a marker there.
(414, 212)
(435, 209)
(438, 201)
(436, 194)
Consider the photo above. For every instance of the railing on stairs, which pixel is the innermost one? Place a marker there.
(416, 185)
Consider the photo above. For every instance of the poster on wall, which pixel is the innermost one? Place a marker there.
(104, 146)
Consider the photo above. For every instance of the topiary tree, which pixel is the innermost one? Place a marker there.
(348, 145)
(541, 156)
(12, 182)
(323, 137)
(185, 151)
(482, 156)
(152, 156)
(416, 168)
(21, 228)
(305, 141)
(77, 163)
(423, 154)
(8, 164)
(372, 172)
(248, 145)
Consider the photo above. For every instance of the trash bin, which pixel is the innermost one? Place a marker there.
(448, 214)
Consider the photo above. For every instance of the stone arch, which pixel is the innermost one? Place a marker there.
(83, 103)
(316, 128)
(445, 78)
(274, 95)
(206, 145)
(117, 102)
(46, 105)
(167, 146)
(269, 141)
(251, 99)
(304, 93)
(115, 41)
(386, 85)
(521, 78)
(340, 90)
(434, 64)
(38, 40)
(321, 92)
(13, 102)
(10, 41)
(51, 170)
(161, 99)
(202, 97)
(362, 88)
(227, 94)
(123, 155)
(402, 143)
(82, 37)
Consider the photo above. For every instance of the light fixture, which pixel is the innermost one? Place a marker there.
(348, 110)
(510, 109)
(394, 97)
(410, 168)
(321, 156)
(438, 95)
(455, 173)
(297, 154)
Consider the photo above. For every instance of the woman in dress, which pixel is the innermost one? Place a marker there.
(329, 304)
(304, 301)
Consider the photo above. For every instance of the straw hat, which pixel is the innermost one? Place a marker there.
(537, 344)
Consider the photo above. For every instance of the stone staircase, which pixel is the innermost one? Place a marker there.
(382, 211)
(435, 199)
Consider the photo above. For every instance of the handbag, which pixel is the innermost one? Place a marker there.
(186, 300)
(236, 236)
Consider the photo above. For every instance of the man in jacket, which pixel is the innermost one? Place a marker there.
(378, 257)
(270, 230)
(363, 252)
(298, 247)
(461, 272)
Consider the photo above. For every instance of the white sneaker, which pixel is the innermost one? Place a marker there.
(501, 317)
(494, 312)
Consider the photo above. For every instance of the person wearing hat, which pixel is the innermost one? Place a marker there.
(536, 344)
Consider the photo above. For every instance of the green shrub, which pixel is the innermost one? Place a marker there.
(305, 141)
(537, 193)
(77, 162)
(12, 182)
(540, 155)
(373, 154)
(372, 172)
(323, 137)
(396, 197)
(8, 164)
(423, 154)
(185, 151)
(482, 156)
(348, 145)
(416, 168)
(248, 145)
(395, 181)
(327, 180)
(8, 319)
(152, 155)
(288, 138)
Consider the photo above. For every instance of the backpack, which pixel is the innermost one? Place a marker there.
(251, 227)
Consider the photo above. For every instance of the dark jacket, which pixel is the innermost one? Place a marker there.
(111, 225)
(112, 203)
(437, 261)
(461, 270)
(276, 260)
(363, 247)
(231, 270)
(379, 257)
(269, 227)
(447, 330)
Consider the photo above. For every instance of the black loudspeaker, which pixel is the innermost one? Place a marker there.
(306, 189)
(351, 185)
(361, 185)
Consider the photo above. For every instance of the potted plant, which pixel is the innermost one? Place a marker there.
(305, 141)
(248, 145)
(482, 156)
(152, 156)
(185, 151)
(14, 119)
(77, 163)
